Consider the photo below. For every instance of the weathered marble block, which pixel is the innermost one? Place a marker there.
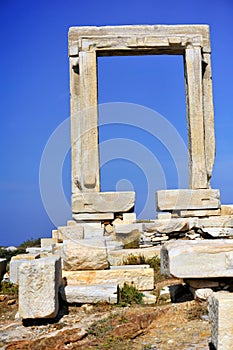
(226, 209)
(127, 233)
(198, 259)
(216, 221)
(189, 199)
(219, 231)
(164, 216)
(15, 263)
(90, 294)
(103, 202)
(129, 218)
(221, 319)
(84, 254)
(167, 226)
(142, 278)
(72, 232)
(47, 242)
(127, 228)
(39, 282)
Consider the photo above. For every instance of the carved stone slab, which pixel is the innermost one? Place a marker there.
(188, 199)
(103, 202)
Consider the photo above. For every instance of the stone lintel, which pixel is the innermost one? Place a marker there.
(143, 279)
(103, 202)
(198, 259)
(115, 34)
(187, 199)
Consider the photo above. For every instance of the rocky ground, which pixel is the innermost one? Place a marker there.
(164, 325)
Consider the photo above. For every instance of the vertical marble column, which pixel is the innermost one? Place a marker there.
(208, 111)
(84, 124)
(194, 103)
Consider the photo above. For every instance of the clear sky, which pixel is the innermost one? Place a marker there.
(35, 99)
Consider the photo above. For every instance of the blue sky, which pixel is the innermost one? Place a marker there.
(35, 96)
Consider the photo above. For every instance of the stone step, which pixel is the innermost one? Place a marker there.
(142, 278)
(90, 294)
(198, 259)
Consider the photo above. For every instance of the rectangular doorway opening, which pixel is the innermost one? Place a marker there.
(153, 83)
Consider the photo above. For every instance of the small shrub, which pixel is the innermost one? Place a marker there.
(129, 295)
(154, 263)
(9, 289)
(32, 242)
(134, 260)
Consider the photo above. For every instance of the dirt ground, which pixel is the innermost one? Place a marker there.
(182, 325)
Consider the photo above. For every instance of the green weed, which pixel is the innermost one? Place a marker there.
(129, 295)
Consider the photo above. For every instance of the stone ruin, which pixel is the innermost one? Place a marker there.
(84, 261)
